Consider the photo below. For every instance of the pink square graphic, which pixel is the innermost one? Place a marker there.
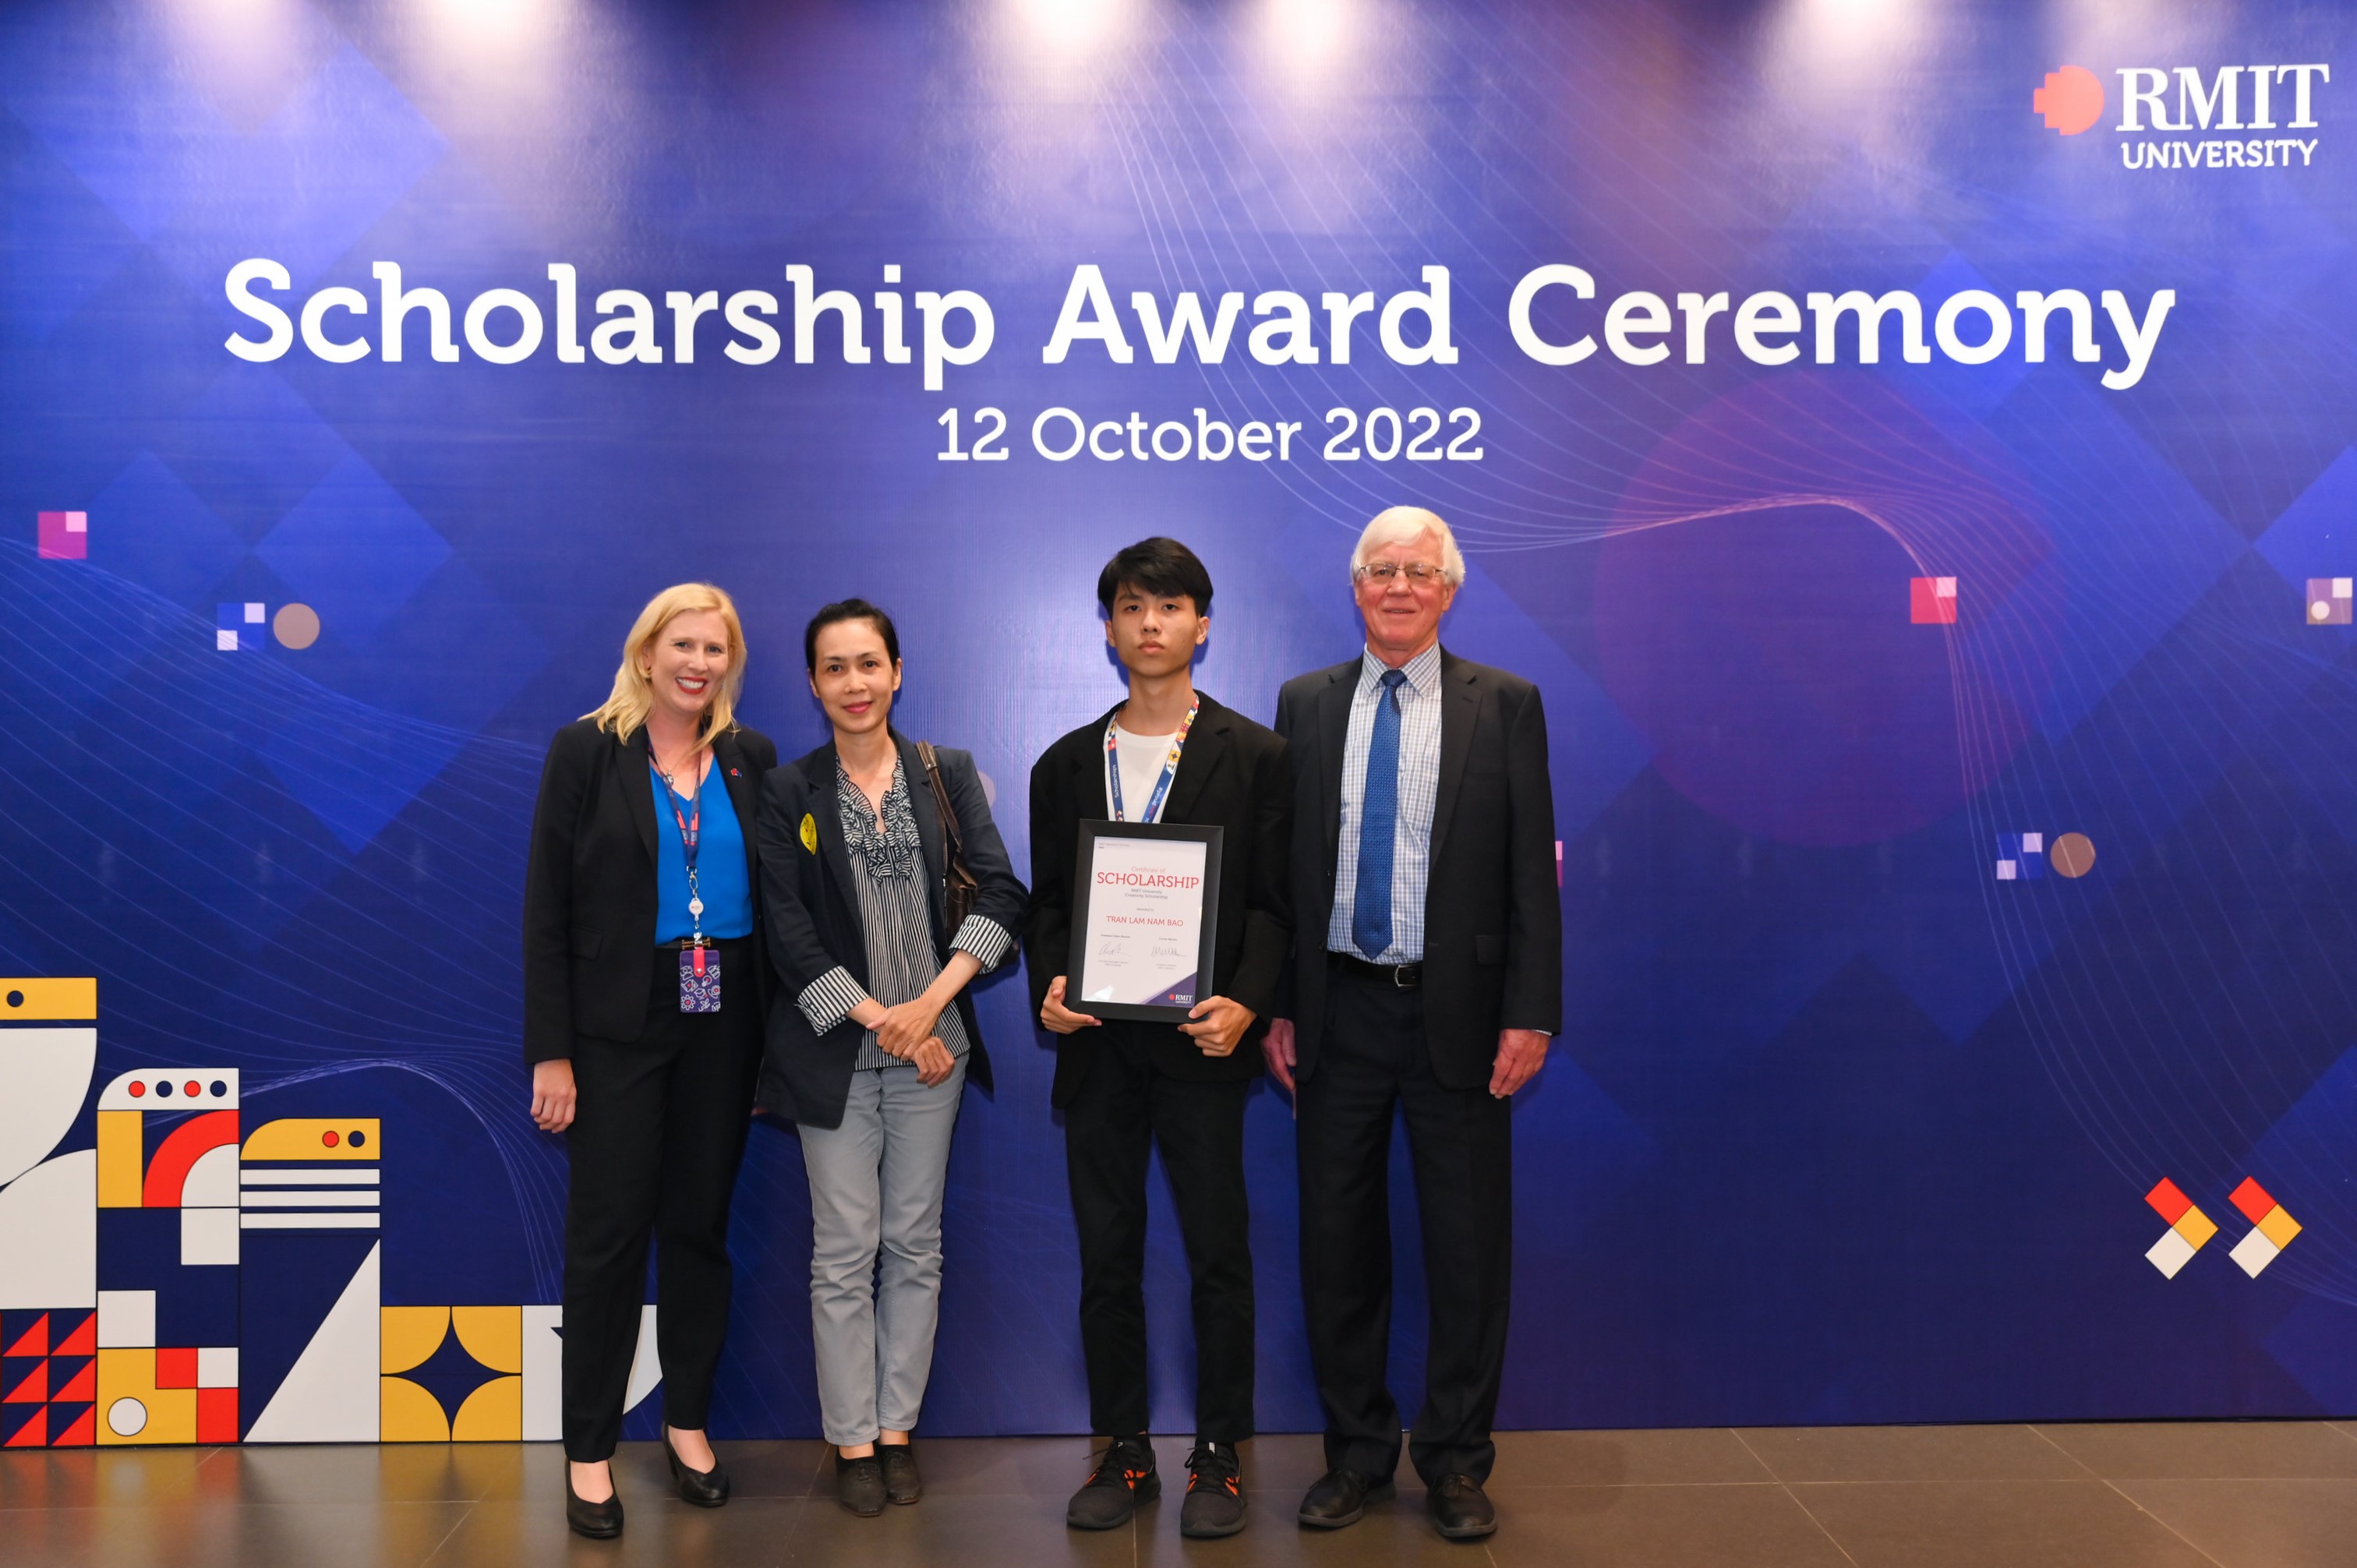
(65, 535)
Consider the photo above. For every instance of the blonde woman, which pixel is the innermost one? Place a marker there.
(644, 985)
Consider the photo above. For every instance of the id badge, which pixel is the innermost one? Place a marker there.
(699, 982)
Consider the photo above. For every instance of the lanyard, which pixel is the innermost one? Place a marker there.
(1169, 764)
(690, 833)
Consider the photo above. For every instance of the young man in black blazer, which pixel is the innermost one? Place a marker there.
(1428, 980)
(1168, 754)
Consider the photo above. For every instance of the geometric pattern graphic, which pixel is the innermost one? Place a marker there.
(2330, 600)
(2020, 857)
(228, 1287)
(2189, 1231)
(2073, 854)
(239, 627)
(1932, 601)
(452, 1373)
(2272, 1231)
(49, 1379)
(64, 536)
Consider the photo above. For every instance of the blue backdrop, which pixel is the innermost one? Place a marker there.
(1860, 1096)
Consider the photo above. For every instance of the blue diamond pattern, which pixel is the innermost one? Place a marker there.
(353, 550)
(304, 189)
(150, 528)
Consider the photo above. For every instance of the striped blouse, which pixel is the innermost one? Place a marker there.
(890, 883)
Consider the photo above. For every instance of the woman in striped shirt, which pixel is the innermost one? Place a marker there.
(874, 1037)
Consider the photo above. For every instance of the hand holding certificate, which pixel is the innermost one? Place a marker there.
(1144, 920)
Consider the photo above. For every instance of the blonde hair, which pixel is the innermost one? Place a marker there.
(626, 710)
(1406, 525)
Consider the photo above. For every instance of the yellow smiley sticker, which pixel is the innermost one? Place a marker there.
(809, 832)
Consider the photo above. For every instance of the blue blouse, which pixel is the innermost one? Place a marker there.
(719, 863)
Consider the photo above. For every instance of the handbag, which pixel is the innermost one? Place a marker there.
(960, 890)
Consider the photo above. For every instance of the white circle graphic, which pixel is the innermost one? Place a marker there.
(126, 1418)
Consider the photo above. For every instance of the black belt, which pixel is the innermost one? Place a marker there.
(1400, 976)
(681, 944)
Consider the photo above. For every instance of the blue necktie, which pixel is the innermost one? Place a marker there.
(1370, 909)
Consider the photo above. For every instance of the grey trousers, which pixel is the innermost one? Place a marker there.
(875, 1186)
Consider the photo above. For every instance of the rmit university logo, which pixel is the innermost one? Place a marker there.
(2187, 99)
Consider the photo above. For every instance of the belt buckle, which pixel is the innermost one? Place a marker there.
(1407, 976)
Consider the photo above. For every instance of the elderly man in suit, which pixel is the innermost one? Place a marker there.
(1428, 976)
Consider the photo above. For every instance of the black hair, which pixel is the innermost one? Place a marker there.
(843, 610)
(1158, 566)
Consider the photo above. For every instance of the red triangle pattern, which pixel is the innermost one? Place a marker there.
(83, 1385)
(82, 1341)
(33, 1390)
(48, 1399)
(35, 1341)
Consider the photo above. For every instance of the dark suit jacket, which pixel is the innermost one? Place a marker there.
(1492, 918)
(590, 899)
(1232, 776)
(814, 924)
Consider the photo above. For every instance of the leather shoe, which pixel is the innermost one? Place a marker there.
(598, 1522)
(902, 1483)
(1460, 1510)
(705, 1488)
(1341, 1498)
(859, 1483)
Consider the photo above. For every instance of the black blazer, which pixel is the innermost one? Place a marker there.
(590, 899)
(1232, 776)
(814, 924)
(1492, 917)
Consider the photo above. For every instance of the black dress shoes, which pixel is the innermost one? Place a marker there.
(705, 1488)
(598, 1522)
(902, 1484)
(1461, 1511)
(1341, 1498)
(859, 1483)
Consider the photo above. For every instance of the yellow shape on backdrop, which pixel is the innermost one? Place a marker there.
(408, 1336)
(2280, 1228)
(405, 1412)
(133, 1409)
(122, 1158)
(26, 999)
(314, 1138)
(2196, 1226)
(492, 1334)
(492, 1413)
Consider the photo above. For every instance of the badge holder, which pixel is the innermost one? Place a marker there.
(699, 965)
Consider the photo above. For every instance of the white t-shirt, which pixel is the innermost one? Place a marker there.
(1142, 756)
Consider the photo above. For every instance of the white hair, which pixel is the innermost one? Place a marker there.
(1406, 525)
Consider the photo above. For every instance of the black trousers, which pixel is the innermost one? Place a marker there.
(658, 1128)
(1374, 1058)
(1122, 1104)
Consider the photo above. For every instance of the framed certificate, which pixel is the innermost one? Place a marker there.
(1145, 915)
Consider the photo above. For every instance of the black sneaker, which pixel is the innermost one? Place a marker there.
(1215, 1492)
(1123, 1478)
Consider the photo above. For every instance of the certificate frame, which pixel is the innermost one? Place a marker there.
(1084, 862)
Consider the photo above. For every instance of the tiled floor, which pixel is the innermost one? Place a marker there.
(2228, 1494)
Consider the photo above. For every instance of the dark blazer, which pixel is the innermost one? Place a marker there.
(590, 899)
(1492, 918)
(813, 922)
(1232, 776)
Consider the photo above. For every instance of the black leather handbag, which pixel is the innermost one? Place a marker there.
(959, 888)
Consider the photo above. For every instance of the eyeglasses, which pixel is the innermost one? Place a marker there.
(1423, 573)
